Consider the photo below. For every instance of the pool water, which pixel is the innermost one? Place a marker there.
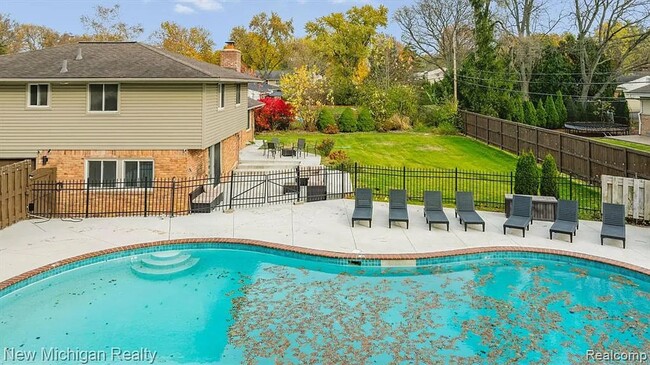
(237, 306)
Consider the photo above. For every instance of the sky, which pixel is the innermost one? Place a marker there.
(218, 16)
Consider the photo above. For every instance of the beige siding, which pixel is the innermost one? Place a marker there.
(645, 107)
(220, 124)
(151, 116)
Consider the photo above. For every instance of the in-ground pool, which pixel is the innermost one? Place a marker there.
(252, 305)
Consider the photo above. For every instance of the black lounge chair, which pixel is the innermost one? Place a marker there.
(362, 206)
(613, 222)
(567, 218)
(397, 211)
(465, 209)
(433, 212)
(522, 214)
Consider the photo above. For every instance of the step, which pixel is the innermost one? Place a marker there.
(172, 262)
(165, 255)
(140, 269)
(276, 166)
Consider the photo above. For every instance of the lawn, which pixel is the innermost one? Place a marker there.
(410, 149)
(630, 145)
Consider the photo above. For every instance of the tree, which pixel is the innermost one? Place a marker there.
(390, 62)
(265, 44)
(548, 180)
(7, 33)
(526, 175)
(365, 122)
(518, 114)
(30, 37)
(276, 114)
(621, 111)
(602, 25)
(572, 114)
(431, 27)
(530, 113)
(325, 119)
(105, 25)
(561, 109)
(553, 119)
(195, 42)
(306, 92)
(347, 121)
(302, 52)
(542, 116)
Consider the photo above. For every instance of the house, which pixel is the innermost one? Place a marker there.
(257, 90)
(643, 95)
(273, 77)
(123, 110)
(627, 85)
(431, 76)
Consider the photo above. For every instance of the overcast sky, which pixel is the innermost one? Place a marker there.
(218, 16)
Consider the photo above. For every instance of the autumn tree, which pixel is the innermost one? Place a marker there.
(390, 62)
(264, 45)
(276, 114)
(7, 33)
(307, 92)
(31, 37)
(302, 52)
(194, 42)
(105, 25)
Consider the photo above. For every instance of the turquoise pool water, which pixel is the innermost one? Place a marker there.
(239, 306)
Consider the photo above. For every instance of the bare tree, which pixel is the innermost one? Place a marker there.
(430, 28)
(604, 25)
(106, 25)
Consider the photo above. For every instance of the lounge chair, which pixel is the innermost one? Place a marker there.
(465, 209)
(301, 148)
(613, 222)
(522, 214)
(397, 211)
(567, 219)
(362, 206)
(433, 212)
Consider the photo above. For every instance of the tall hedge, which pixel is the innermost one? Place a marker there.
(571, 110)
(548, 180)
(553, 119)
(530, 113)
(561, 109)
(347, 121)
(518, 114)
(542, 117)
(526, 175)
(365, 123)
(325, 118)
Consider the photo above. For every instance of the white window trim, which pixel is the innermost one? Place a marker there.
(123, 171)
(237, 94)
(119, 172)
(222, 90)
(29, 96)
(119, 92)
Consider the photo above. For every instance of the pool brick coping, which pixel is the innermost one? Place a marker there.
(323, 253)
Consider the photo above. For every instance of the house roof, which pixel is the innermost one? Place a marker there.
(111, 60)
(262, 87)
(632, 76)
(254, 104)
(274, 75)
(640, 90)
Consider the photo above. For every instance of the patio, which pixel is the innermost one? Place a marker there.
(320, 225)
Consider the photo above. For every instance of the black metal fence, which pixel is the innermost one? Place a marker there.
(304, 184)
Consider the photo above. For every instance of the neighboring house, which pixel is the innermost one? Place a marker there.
(628, 84)
(123, 110)
(273, 77)
(431, 76)
(642, 94)
(257, 91)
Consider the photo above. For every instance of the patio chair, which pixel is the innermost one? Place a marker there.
(522, 214)
(567, 219)
(277, 144)
(362, 206)
(270, 149)
(433, 212)
(301, 148)
(397, 211)
(613, 222)
(465, 209)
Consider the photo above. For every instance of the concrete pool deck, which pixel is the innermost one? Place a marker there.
(319, 225)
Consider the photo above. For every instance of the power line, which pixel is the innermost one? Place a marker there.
(565, 73)
(570, 82)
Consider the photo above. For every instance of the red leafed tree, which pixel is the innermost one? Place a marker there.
(276, 114)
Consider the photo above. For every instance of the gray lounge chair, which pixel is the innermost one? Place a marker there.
(397, 211)
(433, 212)
(465, 209)
(362, 206)
(613, 222)
(522, 214)
(301, 148)
(567, 219)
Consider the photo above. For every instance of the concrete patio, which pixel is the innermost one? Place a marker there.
(320, 225)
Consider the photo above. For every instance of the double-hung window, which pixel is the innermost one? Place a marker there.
(103, 97)
(39, 95)
(138, 174)
(238, 94)
(102, 173)
(222, 96)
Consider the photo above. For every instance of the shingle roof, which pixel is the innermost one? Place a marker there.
(640, 90)
(111, 60)
(632, 76)
(262, 87)
(254, 104)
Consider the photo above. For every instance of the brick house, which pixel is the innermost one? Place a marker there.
(124, 111)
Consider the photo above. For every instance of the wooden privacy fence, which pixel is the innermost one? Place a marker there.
(633, 193)
(14, 192)
(579, 156)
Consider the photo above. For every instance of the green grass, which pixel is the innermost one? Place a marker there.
(410, 149)
(618, 142)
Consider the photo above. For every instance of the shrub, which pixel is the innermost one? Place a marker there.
(526, 175)
(548, 181)
(542, 117)
(446, 129)
(621, 111)
(551, 113)
(518, 114)
(561, 109)
(275, 114)
(571, 110)
(348, 121)
(395, 123)
(433, 115)
(325, 118)
(339, 158)
(331, 129)
(530, 113)
(325, 146)
(365, 123)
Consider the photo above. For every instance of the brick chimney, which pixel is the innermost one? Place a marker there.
(231, 57)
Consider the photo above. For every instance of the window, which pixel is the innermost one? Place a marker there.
(222, 96)
(39, 94)
(238, 94)
(103, 97)
(138, 174)
(102, 174)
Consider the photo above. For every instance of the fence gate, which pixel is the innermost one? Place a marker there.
(14, 192)
(43, 198)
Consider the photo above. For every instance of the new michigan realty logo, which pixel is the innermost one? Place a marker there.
(79, 356)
